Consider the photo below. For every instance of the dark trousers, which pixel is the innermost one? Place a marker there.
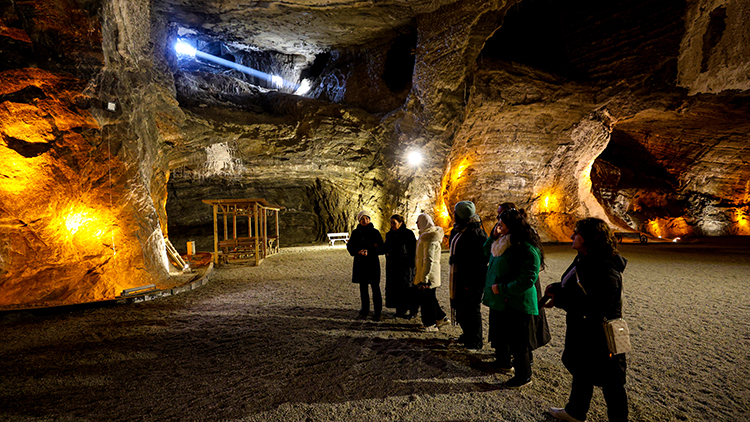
(521, 359)
(580, 399)
(431, 310)
(469, 317)
(409, 302)
(510, 339)
(377, 298)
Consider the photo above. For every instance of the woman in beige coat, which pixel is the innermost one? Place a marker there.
(427, 277)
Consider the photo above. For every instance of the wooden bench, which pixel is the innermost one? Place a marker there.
(333, 237)
(632, 235)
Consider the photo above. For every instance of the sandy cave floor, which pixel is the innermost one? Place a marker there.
(280, 342)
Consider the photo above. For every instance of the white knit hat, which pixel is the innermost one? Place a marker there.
(363, 214)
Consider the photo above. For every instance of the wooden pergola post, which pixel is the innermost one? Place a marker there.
(216, 235)
(255, 213)
(278, 245)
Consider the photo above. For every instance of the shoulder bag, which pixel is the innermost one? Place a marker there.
(618, 336)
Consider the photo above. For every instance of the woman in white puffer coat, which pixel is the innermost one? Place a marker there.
(427, 277)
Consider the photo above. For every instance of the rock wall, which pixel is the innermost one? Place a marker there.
(623, 142)
(85, 113)
(716, 46)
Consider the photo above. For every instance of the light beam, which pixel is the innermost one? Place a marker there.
(183, 48)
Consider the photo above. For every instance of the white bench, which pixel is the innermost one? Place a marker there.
(333, 237)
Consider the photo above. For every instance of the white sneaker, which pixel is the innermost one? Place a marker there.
(430, 328)
(443, 321)
(561, 414)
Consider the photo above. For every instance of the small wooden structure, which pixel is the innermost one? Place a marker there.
(258, 243)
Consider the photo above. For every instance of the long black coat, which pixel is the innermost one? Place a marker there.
(468, 263)
(400, 248)
(586, 354)
(366, 269)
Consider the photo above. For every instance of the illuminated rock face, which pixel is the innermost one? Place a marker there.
(81, 189)
(636, 112)
(577, 126)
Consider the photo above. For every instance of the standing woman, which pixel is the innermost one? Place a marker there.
(515, 258)
(540, 334)
(400, 249)
(590, 292)
(427, 278)
(468, 270)
(365, 244)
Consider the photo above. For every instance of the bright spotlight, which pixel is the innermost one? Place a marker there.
(414, 158)
(304, 88)
(185, 49)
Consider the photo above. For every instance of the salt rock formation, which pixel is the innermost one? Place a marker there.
(632, 111)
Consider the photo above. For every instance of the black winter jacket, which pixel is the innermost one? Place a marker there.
(468, 261)
(400, 249)
(597, 297)
(366, 269)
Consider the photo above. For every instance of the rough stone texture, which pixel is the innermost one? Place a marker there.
(298, 26)
(526, 136)
(83, 189)
(715, 47)
(634, 111)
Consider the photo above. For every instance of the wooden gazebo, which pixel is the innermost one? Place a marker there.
(257, 243)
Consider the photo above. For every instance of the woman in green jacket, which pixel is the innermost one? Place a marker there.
(515, 258)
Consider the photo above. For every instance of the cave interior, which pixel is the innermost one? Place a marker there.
(636, 112)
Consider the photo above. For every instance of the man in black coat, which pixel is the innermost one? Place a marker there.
(468, 268)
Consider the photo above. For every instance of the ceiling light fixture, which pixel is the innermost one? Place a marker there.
(414, 158)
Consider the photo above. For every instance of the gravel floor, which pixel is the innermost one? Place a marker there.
(280, 342)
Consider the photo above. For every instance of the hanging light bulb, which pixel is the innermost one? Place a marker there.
(414, 158)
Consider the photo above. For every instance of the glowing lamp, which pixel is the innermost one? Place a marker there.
(185, 49)
(414, 158)
(74, 221)
(550, 203)
(304, 88)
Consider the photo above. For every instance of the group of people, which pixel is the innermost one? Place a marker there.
(501, 271)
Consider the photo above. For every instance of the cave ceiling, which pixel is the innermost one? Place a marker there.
(297, 27)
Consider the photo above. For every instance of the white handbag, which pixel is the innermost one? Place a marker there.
(618, 336)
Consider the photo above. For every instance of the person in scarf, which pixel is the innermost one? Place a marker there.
(365, 244)
(591, 292)
(468, 269)
(400, 251)
(515, 258)
(427, 277)
(539, 334)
